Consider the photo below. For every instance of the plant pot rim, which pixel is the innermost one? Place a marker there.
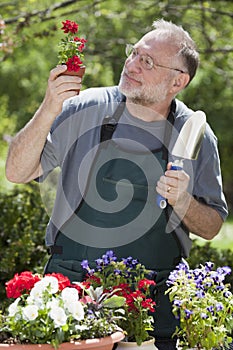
(81, 70)
(134, 343)
(82, 344)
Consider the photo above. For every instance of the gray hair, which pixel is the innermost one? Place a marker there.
(186, 46)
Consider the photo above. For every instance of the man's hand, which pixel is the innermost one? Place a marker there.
(173, 185)
(60, 88)
(200, 219)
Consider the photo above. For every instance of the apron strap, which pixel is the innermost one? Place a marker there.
(110, 123)
(168, 130)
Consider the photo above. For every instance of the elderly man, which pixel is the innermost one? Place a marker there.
(113, 148)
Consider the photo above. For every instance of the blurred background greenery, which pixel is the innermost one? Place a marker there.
(29, 34)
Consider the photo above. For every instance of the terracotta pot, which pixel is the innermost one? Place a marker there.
(146, 345)
(80, 74)
(105, 343)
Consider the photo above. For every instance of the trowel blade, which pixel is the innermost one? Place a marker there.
(188, 143)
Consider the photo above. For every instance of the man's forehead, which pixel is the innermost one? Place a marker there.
(155, 42)
(152, 39)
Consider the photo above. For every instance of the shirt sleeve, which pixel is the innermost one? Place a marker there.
(207, 186)
(49, 160)
(56, 143)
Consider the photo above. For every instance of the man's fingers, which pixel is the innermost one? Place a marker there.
(55, 72)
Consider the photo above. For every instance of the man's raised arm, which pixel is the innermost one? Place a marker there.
(23, 160)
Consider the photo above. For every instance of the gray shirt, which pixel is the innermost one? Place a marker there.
(73, 142)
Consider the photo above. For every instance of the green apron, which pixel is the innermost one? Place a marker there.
(157, 250)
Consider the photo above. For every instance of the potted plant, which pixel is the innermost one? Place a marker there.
(203, 304)
(130, 279)
(71, 48)
(51, 311)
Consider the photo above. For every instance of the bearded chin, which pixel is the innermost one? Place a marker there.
(144, 96)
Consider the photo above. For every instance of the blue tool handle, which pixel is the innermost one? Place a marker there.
(160, 200)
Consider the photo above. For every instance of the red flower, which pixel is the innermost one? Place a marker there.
(20, 284)
(82, 40)
(124, 289)
(73, 64)
(149, 304)
(69, 27)
(82, 45)
(131, 300)
(94, 279)
(63, 281)
(145, 283)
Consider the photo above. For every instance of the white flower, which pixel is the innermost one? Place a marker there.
(69, 294)
(50, 282)
(77, 310)
(36, 294)
(30, 312)
(58, 316)
(13, 308)
(37, 291)
(53, 303)
(36, 301)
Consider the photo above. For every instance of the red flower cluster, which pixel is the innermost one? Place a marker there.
(24, 282)
(93, 280)
(20, 284)
(82, 45)
(149, 304)
(69, 26)
(137, 299)
(145, 284)
(73, 64)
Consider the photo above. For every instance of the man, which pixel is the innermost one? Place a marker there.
(115, 156)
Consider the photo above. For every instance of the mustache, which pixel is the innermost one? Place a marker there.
(132, 75)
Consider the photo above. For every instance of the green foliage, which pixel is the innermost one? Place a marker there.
(23, 221)
(7, 127)
(220, 257)
(203, 304)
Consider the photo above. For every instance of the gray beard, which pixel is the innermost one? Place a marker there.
(146, 95)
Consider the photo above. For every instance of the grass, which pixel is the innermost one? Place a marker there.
(224, 240)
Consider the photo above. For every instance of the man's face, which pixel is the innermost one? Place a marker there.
(144, 86)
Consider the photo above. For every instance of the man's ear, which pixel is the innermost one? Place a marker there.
(180, 82)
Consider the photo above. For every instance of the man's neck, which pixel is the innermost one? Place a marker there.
(152, 113)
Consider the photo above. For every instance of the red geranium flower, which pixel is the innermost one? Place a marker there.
(149, 304)
(124, 289)
(73, 64)
(82, 41)
(69, 27)
(145, 283)
(20, 284)
(94, 280)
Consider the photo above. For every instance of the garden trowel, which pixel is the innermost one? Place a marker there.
(187, 145)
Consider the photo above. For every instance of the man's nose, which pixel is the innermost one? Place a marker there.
(133, 64)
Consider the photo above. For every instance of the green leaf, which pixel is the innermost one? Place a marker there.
(114, 302)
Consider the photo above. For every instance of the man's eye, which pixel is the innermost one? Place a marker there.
(148, 61)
